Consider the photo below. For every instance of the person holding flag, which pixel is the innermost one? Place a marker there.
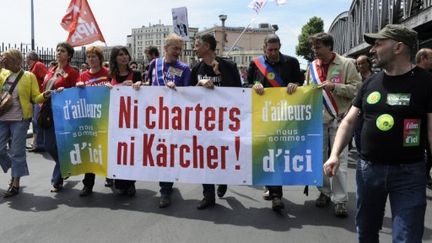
(273, 69)
(339, 80)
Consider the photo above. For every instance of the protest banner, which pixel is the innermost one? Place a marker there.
(81, 127)
(192, 135)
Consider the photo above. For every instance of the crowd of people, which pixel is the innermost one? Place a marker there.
(382, 98)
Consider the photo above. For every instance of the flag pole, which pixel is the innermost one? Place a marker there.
(240, 36)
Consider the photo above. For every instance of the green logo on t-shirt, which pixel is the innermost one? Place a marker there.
(385, 122)
(398, 99)
(373, 98)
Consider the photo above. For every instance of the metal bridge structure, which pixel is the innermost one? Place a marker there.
(365, 16)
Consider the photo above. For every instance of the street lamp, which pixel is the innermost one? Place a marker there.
(222, 18)
(32, 27)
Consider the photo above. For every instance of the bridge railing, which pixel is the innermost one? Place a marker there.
(370, 16)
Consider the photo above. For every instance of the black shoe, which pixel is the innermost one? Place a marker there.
(277, 204)
(86, 191)
(165, 201)
(322, 201)
(206, 202)
(131, 191)
(109, 182)
(36, 150)
(221, 190)
(12, 191)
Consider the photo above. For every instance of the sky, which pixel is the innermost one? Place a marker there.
(116, 18)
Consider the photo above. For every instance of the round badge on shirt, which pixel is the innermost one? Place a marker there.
(270, 76)
(373, 98)
(385, 122)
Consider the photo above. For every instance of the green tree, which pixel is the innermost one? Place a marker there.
(315, 25)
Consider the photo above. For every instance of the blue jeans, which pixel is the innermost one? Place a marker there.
(15, 158)
(405, 184)
(36, 129)
(51, 148)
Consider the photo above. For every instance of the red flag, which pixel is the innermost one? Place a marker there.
(81, 24)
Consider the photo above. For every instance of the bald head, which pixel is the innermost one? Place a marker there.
(364, 65)
(424, 58)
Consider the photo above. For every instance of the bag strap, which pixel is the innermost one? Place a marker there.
(15, 82)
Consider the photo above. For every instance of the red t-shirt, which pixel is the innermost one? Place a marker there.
(39, 70)
(67, 79)
(95, 79)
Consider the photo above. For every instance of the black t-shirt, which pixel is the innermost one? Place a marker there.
(205, 71)
(136, 76)
(394, 110)
(229, 75)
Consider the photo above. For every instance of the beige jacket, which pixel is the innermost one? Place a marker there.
(347, 81)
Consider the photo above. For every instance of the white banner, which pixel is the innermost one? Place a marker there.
(180, 22)
(191, 135)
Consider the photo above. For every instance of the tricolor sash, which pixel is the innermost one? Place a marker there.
(329, 101)
(274, 79)
(159, 66)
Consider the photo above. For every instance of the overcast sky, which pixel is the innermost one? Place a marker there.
(116, 18)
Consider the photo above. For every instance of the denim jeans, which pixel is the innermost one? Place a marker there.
(15, 158)
(405, 185)
(51, 148)
(36, 129)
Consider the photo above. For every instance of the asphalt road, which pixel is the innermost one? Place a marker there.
(36, 215)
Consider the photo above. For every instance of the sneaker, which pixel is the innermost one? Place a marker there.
(266, 195)
(206, 202)
(277, 204)
(341, 210)
(86, 191)
(221, 190)
(12, 191)
(322, 201)
(164, 201)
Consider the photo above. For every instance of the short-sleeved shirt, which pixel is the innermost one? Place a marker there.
(229, 75)
(394, 110)
(133, 75)
(95, 79)
(178, 72)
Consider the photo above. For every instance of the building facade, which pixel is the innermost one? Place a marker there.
(154, 35)
(248, 47)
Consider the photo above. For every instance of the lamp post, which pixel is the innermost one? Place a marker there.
(222, 18)
(32, 27)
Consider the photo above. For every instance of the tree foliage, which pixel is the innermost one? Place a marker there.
(313, 26)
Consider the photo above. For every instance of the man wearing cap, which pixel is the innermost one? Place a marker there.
(396, 107)
(339, 79)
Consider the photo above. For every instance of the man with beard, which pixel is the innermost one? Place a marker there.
(396, 105)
